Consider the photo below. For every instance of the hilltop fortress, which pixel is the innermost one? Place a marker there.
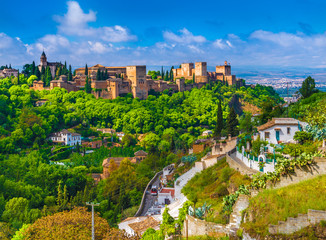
(134, 80)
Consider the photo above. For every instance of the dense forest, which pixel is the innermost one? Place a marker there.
(33, 185)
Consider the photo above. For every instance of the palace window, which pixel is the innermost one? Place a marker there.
(289, 130)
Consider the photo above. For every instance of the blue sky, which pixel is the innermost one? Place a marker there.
(288, 33)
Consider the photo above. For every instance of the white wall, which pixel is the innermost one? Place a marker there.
(269, 167)
(284, 136)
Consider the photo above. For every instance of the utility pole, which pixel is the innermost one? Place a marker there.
(92, 204)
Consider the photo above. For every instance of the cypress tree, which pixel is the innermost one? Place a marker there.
(106, 76)
(86, 70)
(69, 74)
(232, 123)
(10, 66)
(65, 197)
(193, 78)
(166, 77)
(18, 78)
(98, 75)
(219, 121)
(42, 70)
(57, 73)
(60, 197)
(88, 88)
(48, 77)
(162, 73)
(37, 73)
(171, 74)
(33, 68)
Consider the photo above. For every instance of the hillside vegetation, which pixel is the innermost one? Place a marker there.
(211, 185)
(273, 205)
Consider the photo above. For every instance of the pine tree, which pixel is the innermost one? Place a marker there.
(86, 70)
(219, 121)
(232, 123)
(308, 87)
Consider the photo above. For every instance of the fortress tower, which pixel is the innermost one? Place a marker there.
(201, 72)
(137, 77)
(224, 69)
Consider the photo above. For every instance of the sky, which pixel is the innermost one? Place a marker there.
(252, 33)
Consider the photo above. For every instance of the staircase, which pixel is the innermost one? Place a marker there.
(235, 219)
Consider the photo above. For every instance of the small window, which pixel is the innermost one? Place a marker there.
(289, 130)
(266, 135)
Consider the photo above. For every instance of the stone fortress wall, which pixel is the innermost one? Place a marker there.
(134, 80)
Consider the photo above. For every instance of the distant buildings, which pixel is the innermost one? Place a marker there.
(120, 81)
(65, 137)
(44, 64)
(8, 72)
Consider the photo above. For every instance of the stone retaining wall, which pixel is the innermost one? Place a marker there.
(140, 209)
(197, 227)
(303, 173)
(292, 225)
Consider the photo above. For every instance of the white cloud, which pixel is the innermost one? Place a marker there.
(283, 39)
(185, 37)
(75, 23)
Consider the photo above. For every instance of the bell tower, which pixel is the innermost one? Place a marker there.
(43, 60)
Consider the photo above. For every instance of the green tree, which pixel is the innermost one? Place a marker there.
(166, 76)
(308, 87)
(86, 70)
(232, 123)
(70, 74)
(98, 75)
(88, 87)
(48, 76)
(219, 121)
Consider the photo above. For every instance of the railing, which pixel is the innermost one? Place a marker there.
(140, 209)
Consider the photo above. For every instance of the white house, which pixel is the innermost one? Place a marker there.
(165, 196)
(66, 137)
(207, 133)
(280, 130)
(167, 174)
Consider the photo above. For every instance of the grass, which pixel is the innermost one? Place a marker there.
(271, 206)
(211, 185)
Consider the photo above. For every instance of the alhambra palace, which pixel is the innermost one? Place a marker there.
(134, 80)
